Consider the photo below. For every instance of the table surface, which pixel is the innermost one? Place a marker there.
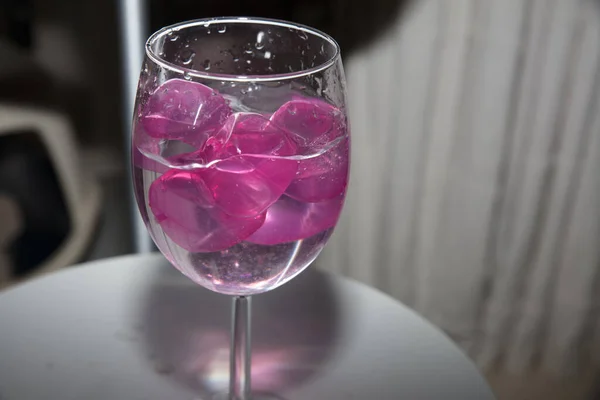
(134, 328)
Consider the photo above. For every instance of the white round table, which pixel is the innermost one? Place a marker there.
(133, 328)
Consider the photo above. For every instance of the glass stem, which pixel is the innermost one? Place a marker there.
(241, 349)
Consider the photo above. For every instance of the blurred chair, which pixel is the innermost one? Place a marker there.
(12, 224)
(80, 191)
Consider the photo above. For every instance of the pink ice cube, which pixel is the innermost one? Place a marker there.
(250, 133)
(185, 209)
(314, 125)
(156, 155)
(183, 110)
(288, 220)
(322, 177)
(310, 122)
(252, 174)
(145, 144)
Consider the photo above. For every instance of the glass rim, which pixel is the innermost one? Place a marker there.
(240, 78)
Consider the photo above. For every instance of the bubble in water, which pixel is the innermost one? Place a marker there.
(187, 76)
(260, 36)
(206, 24)
(222, 29)
(172, 36)
(236, 59)
(248, 62)
(206, 64)
(267, 54)
(302, 35)
(322, 51)
(187, 56)
(248, 51)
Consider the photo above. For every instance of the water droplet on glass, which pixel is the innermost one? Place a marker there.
(248, 51)
(222, 29)
(187, 56)
(206, 65)
(302, 35)
(236, 59)
(208, 31)
(260, 36)
(267, 54)
(248, 62)
(319, 81)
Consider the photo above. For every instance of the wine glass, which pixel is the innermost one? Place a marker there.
(240, 154)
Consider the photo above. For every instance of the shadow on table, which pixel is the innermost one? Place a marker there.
(295, 327)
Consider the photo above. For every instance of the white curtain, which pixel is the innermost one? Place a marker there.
(475, 188)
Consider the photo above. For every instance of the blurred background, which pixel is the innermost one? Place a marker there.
(474, 196)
